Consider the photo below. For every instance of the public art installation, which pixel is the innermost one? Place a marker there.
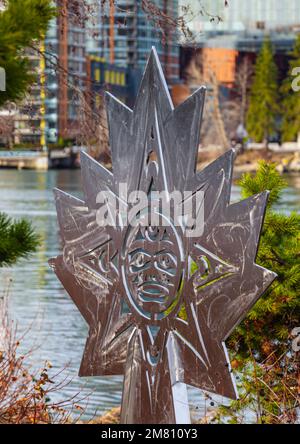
(160, 291)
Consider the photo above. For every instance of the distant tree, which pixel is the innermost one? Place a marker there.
(242, 86)
(264, 95)
(22, 24)
(291, 97)
(213, 129)
(234, 109)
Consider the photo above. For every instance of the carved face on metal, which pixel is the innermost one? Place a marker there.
(152, 271)
(160, 302)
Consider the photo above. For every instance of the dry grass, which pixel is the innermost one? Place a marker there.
(111, 417)
(25, 397)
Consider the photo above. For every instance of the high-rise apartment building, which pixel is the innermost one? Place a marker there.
(123, 34)
(239, 33)
(51, 110)
(27, 117)
(261, 14)
(243, 15)
(65, 45)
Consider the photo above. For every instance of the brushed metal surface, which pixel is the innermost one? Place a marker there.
(160, 304)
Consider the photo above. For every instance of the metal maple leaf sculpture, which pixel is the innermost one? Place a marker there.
(159, 304)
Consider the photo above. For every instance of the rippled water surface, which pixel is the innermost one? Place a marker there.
(36, 296)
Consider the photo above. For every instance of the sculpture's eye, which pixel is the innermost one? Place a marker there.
(139, 260)
(166, 262)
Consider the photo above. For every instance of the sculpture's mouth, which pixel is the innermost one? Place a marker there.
(151, 272)
(153, 292)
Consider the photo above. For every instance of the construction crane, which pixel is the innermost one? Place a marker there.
(112, 31)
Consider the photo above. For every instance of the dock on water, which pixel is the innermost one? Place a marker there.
(40, 160)
(34, 160)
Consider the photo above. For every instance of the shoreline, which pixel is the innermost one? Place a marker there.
(247, 161)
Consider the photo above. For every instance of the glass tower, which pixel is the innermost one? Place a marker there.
(241, 15)
(127, 38)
